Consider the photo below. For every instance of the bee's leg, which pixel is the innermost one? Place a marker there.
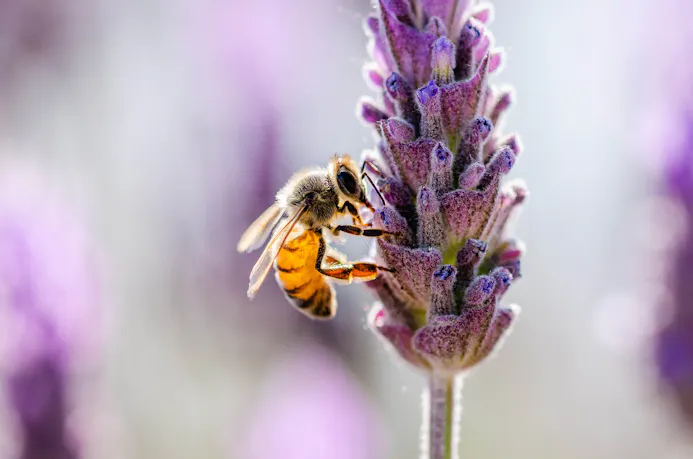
(355, 217)
(359, 231)
(346, 272)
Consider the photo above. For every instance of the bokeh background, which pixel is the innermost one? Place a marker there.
(166, 126)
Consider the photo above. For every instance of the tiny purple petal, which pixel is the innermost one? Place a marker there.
(471, 144)
(471, 176)
(373, 76)
(440, 179)
(400, 130)
(443, 61)
(503, 280)
(427, 94)
(431, 230)
(442, 296)
(483, 13)
(397, 87)
(428, 98)
(503, 101)
(496, 60)
(390, 220)
(480, 290)
(369, 113)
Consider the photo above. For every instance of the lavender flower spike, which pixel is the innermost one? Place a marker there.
(51, 317)
(674, 341)
(443, 160)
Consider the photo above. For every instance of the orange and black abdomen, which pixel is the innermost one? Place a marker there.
(307, 289)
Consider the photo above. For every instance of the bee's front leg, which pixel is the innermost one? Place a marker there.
(355, 216)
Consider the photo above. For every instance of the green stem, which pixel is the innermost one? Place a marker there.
(442, 416)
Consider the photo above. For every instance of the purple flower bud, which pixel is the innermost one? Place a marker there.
(480, 290)
(471, 143)
(500, 164)
(514, 267)
(503, 280)
(483, 13)
(400, 130)
(428, 99)
(397, 87)
(373, 76)
(372, 25)
(443, 61)
(470, 36)
(496, 60)
(442, 295)
(401, 95)
(501, 104)
(431, 230)
(482, 48)
(369, 113)
(390, 220)
(440, 179)
(471, 176)
(468, 260)
(428, 94)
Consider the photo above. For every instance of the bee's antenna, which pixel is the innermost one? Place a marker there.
(364, 174)
(372, 167)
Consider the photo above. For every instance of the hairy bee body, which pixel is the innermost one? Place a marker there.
(307, 289)
(311, 202)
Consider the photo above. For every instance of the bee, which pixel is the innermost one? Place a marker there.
(309, 204)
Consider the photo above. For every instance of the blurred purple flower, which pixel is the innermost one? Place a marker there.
(313, 408)
(48, 308)
(674, 345)
(30, 30)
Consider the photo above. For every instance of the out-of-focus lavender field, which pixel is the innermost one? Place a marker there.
(139, 138)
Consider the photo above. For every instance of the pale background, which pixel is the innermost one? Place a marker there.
(173, 122)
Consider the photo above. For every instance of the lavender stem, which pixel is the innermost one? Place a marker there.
(442, 416)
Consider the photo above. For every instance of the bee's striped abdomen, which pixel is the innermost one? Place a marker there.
(306, 288)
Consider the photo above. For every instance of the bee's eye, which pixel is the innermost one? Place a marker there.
(347, 182)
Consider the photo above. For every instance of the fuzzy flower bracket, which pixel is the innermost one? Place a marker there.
(442, 158)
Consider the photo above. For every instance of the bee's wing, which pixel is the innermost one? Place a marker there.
(264, 263)
(260, 229)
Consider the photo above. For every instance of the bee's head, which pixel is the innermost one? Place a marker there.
(346, 174)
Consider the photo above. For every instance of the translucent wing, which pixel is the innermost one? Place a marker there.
(258, 232)
(264, 263)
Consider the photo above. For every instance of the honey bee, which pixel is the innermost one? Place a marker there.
(305, 265)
